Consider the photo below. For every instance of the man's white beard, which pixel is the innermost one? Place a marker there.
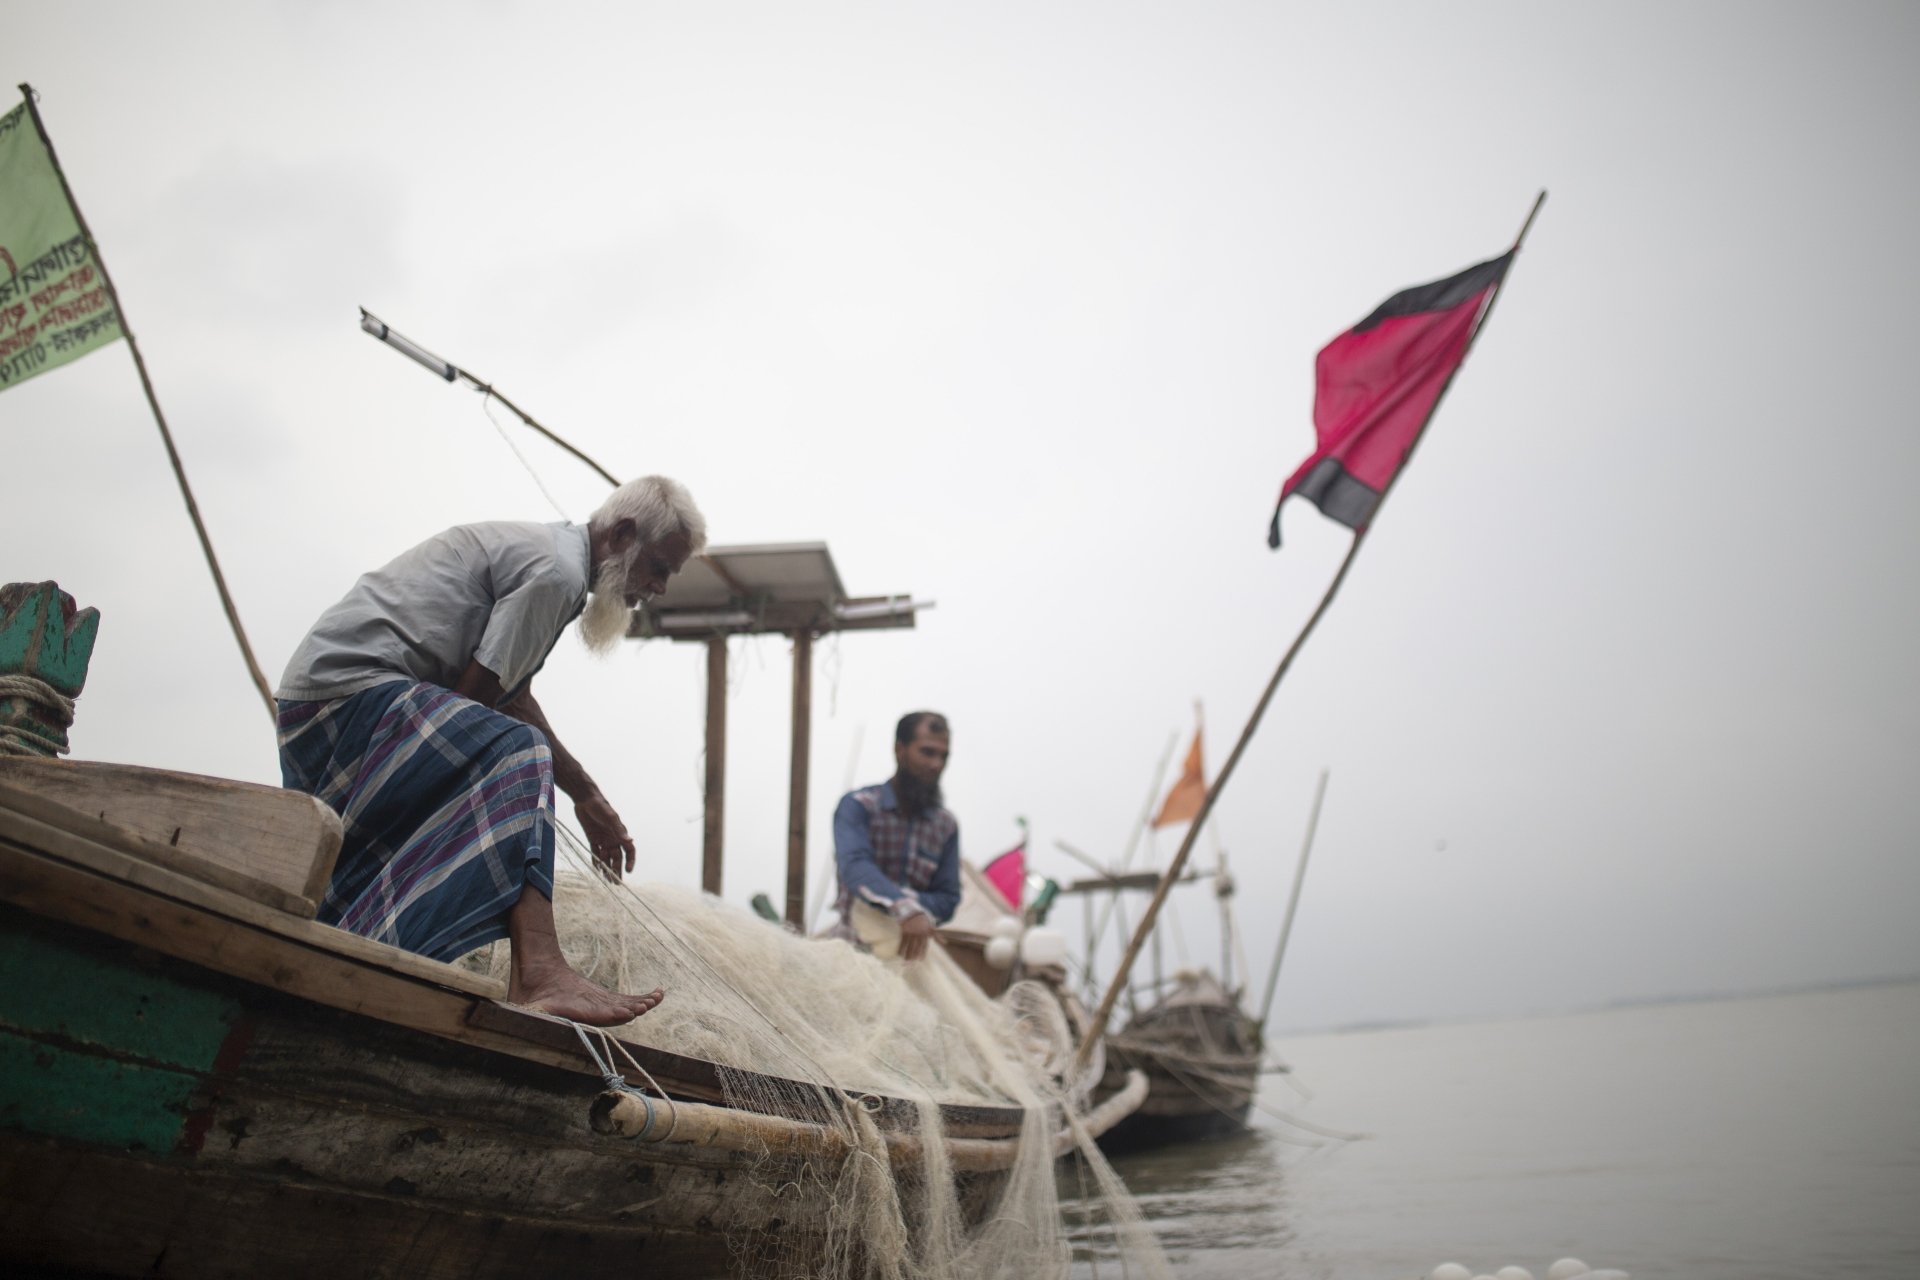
(604, 621)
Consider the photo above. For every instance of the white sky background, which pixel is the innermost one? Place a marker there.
(1016, 306)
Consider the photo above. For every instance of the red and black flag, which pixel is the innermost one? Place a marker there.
(1375, 387)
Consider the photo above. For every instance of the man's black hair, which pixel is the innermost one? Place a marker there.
(910, 724)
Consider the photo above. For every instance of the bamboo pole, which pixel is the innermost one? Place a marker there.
(1099, 931)
(640, 1117)
(160, 419)
(1293, 899)
(1096, 1027)
(524, 416)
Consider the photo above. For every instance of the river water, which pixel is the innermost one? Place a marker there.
(1772, 1138)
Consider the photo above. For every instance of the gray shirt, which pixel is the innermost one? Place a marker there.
(500, 592)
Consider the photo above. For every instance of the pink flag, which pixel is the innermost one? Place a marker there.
(1008, 873)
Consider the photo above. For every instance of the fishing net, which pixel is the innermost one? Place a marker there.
(821, 1032)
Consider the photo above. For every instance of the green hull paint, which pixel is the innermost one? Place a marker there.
(101, 1050)
(81, 1097)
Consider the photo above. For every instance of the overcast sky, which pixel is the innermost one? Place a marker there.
(1015, 306)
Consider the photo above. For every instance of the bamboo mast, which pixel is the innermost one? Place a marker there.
(1293, 899)
(1096, 1026)
(1099, 931)
(159, 418)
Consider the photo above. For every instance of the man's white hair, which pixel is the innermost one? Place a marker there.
(659, 508)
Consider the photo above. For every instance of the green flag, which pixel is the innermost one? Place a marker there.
(53, 299)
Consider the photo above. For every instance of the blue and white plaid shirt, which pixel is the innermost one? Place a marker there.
(899, 864)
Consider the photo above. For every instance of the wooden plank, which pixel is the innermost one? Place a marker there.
(234, 834)
(54, 815)
(80, 849)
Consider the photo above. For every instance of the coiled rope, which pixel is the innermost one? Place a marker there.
(27, 738)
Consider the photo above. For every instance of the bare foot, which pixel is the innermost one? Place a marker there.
(565, 994)
(542, 979)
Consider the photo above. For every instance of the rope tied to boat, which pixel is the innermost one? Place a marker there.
(616, 1082)
(51, 707)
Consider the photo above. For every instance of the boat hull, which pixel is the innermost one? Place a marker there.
(156, 1120)
(1198, 1052)
(196, 1084)
(1144, 1132)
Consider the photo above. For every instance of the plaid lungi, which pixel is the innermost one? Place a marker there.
(447, 805)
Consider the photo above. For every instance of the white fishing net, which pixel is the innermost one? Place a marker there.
(798, 1024)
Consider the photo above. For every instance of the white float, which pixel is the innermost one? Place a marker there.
(1041, 948)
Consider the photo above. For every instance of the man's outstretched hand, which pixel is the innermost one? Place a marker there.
(607, 836)
(915, 932)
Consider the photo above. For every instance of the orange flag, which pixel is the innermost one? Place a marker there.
(1189, 791)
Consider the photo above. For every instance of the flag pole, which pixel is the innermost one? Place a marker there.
(153, 402)
(1097, 1025)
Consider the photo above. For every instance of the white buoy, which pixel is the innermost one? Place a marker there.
(1043, 948)
(1004, 927)
(1513, 1273)
(1449, 1271)
(1567, 1269)
(1000, 952)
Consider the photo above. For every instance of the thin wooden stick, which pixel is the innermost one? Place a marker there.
(153, 402)
(1293, 899)
(1099, 931)
(527, 418)
(1096, 1027)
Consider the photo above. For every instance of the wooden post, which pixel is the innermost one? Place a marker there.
(797, 788)
(716, 795)
(1097, 1026)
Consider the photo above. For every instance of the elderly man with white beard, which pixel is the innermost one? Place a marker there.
(409, 710)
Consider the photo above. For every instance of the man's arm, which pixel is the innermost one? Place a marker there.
(941, 897)
(860, 875)
(863, 878)
(606, 833)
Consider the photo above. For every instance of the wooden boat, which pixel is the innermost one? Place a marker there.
(1202, 1060)
(198, 1079)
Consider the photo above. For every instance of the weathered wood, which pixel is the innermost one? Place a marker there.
(716, 790)
(112, 866)
(797, 783)
(44, 637)
(90, 1212)
(44, 634)
(270, 844)
(68, 878)
(294, 1116)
